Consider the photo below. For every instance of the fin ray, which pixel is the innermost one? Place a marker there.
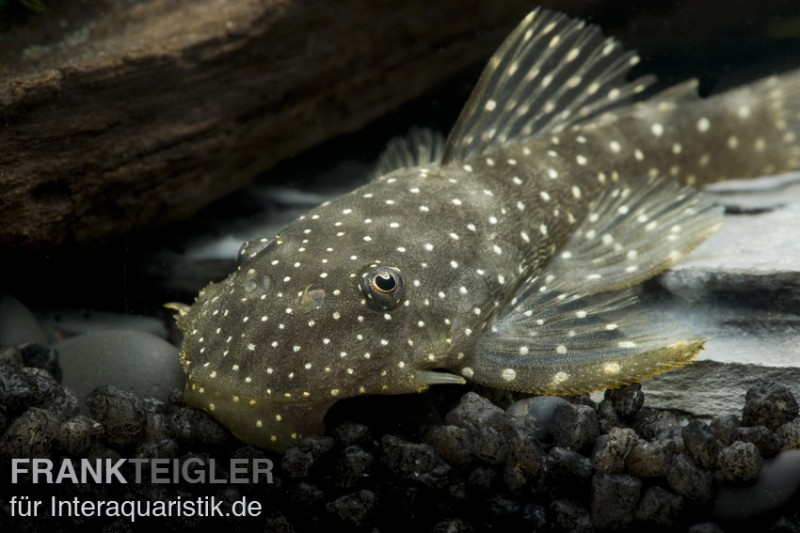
(634, 233)
(419, 147)
(552, 72)
(574, 328)
(577, 343)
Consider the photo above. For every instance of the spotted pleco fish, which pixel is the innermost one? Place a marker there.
(507, 255)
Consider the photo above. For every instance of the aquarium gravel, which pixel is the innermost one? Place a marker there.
(535, 463)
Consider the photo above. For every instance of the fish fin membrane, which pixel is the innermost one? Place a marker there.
(551, 73)
(418, 148)
(571, 344)
(684, 92)
(575, 326)
(632, 233)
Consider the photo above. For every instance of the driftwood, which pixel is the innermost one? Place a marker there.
(139, 114)
(115, 115)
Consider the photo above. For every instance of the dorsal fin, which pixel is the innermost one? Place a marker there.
(685, 91)
(419, 147)
(552, 72)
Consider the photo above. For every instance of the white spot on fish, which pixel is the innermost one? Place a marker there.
(509, 374)
(657, 129)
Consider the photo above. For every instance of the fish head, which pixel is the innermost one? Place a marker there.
(325, 310)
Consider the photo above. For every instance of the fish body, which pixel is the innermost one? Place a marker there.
(506, 255)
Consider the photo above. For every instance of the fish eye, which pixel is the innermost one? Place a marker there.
(252, 248)
(383, 286)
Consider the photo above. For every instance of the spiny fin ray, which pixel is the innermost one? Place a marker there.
(572, 328)
(573, 344)
(420, 147)
(634, 233)
(552, 72)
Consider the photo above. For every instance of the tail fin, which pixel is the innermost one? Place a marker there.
(769, 113)
(746, 132)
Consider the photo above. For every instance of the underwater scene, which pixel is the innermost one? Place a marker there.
(293, 266)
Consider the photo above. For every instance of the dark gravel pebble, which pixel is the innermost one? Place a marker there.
(575, 427)
(452, 525)
(483, 480)
(349, 433)
(626, 400)
(536, 414)
(790, 433)
(660, 507)
(475, 412)
(296, 462)
(701, 443)
(770, 404)
(276, 522)
(483, 470)
(48, 394)
(16, 393)
(705, 527)
(354, 508)
(649, 423)
(78, 434)
(352, 466)
(305, 498)
(414, 462)
(724, 427)
(500, 510)
(611, 455)
(300, 458)
(456, 492)
(10, 356)
(570, 516)
(690, 481)
(526, 460)
(34, 433)
(607, 416)
(534, 516)
(613, 500)
(650, 459)
(740, 462)
(161, 448)
(490, 446)
(122, 414)
(568, 472)
(767, 442)
(453, 443)
(316, 445)
(195, 429)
